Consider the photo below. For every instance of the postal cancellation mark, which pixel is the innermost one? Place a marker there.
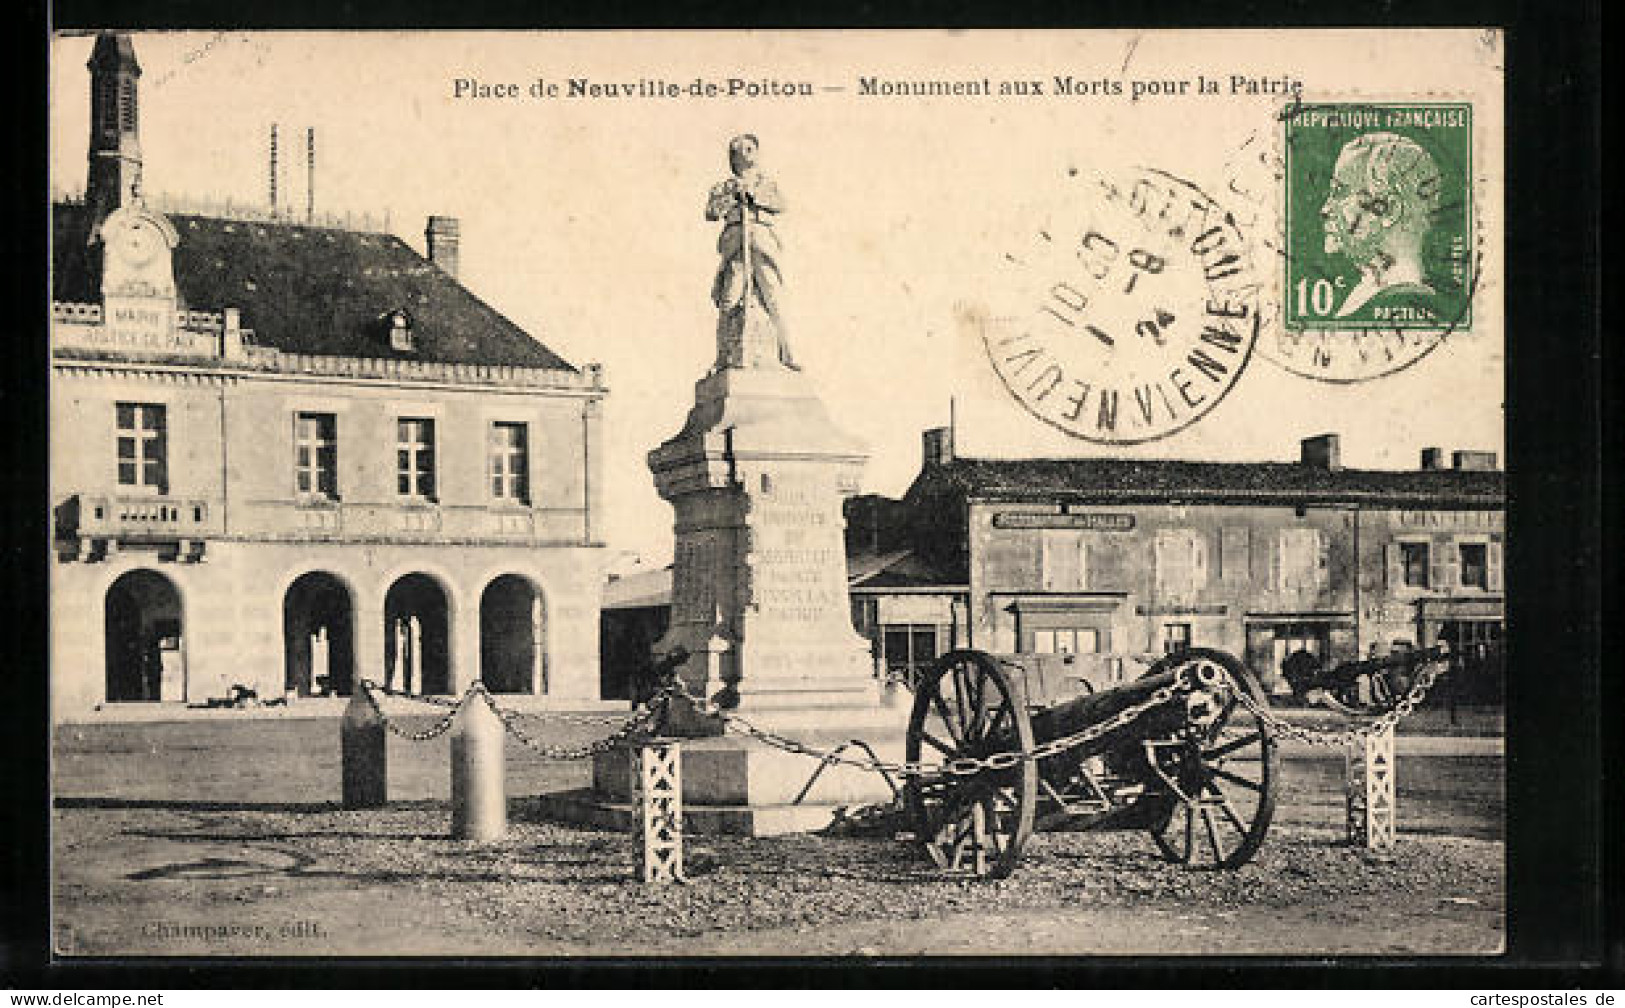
(1131, 321)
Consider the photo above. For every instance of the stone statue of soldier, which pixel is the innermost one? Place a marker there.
(748, 283)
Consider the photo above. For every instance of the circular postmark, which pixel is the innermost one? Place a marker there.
(1129, 314)
(1372, 221)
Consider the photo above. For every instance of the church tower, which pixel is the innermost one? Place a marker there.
(115, 145)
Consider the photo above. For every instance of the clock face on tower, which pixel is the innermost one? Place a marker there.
(136, 254)
(137, 242)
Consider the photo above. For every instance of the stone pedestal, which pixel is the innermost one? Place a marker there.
(759, 600)
(759, 594)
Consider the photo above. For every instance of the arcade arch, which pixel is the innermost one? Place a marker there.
(146, 660)
(318, 636)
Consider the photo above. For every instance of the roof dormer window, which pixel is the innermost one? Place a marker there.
(400, 332)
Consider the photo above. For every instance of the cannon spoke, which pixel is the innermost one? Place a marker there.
(1213, 834)
(947, 718)
(1223, 718)
(1251, 785)
(1219, 752)
(937, 744)
(975, 823)
(1235, 754)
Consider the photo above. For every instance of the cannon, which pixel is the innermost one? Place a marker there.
(1359, 687)
(1177, 753)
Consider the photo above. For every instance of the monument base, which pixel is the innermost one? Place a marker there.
(735, 784)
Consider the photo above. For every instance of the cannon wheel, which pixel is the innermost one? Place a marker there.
(967, 706)
(1226, 774)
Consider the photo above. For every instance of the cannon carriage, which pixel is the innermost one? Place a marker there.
(1178, 752)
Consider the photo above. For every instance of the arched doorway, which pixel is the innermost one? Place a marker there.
(318, 641)
(145, 659)
(511, 636)
(417, 654)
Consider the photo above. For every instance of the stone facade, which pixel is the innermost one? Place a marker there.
(286, 456)
(231, 535)
(1259, 559)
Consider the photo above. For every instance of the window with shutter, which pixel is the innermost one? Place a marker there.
(1181, 562)
(1492, 567)
(1063, 555)
(1302, 561)
(1394, 561)
(1419, 572)
(1233, 560)
(1474, 572)
(1439, 570)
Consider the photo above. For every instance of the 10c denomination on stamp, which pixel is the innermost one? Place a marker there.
(1130, 314)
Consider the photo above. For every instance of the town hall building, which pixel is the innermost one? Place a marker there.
(287, 454)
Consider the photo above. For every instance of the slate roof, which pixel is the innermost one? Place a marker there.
(641, 590)
(1160, 480)
(905, 569)
(313, 290)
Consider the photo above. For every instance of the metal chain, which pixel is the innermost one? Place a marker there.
(369, 689)
(965, 766)
(434, 701)
(1385, 722)
(637, 722)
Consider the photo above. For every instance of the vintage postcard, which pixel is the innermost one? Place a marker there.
(638, 494)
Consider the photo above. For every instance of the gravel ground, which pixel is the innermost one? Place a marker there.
(391, 880)
(168, 836)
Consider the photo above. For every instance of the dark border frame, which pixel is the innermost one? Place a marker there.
(1562, 929)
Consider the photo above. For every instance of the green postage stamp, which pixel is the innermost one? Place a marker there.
(1379, 209)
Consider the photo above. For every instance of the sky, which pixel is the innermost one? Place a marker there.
(582, 218)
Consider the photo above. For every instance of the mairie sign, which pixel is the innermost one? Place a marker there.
(1092, 521)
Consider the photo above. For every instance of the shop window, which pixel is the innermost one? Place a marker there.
(907, 650)
(143, 446)
(1068, 640)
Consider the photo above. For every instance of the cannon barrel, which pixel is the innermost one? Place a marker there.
(1348, 673)
(1092, 708)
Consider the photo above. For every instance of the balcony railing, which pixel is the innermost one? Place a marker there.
(137, 518)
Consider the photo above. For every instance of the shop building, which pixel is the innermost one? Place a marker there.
(1261, 559)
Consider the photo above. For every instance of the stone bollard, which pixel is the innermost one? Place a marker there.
(479, 801)
(657, 809)
(364, 755)
(1369, 778)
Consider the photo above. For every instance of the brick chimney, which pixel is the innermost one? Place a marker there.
(1432, 459)
(441, 234)
(1473, 461)
(1320, 452)
(938, 446)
